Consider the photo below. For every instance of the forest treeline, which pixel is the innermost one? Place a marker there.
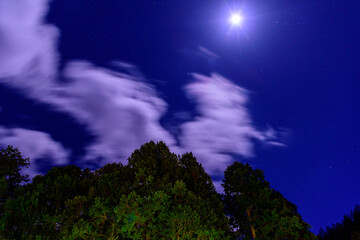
(156, 195)
(348, 228)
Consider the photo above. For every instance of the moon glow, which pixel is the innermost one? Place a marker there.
(236, 19)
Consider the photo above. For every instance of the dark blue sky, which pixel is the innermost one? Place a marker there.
(299, 61)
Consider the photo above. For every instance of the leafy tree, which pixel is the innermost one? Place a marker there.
(258, 212)
(161, 215)
(157, 195)
(154, 166)
(347, 229)
(39, 208)
(11, 162)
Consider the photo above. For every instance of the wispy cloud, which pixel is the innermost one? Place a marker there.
(27, 44)
(35, 145)
(207, 54)
(201, 53)
(223, 126)
(119, 109)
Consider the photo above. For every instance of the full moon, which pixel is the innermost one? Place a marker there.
(236, 19)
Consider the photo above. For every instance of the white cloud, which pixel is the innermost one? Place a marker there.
(27, 45)
(218, 187)
(35, 145)
(223, 127)
(121, 111)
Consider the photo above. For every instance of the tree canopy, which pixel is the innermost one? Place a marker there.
(11, 162)
(157, 195)
(258, 212)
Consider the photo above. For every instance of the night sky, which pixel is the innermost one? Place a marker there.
(87, 82)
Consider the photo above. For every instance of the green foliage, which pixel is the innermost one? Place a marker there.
(11, 162)
(258, 212)
(161, 215)
(157, 195)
